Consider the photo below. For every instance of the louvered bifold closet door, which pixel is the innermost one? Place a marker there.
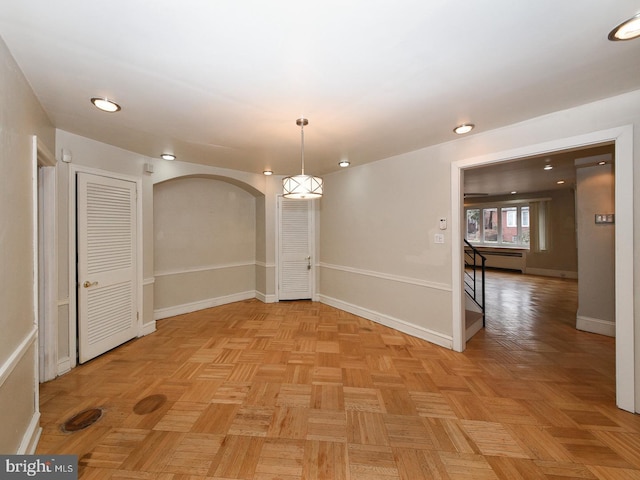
(107, 305)
(295, 265)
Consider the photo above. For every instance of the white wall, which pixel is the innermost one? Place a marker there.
(89, 155)
(204, 244)
(21, 117)
(377, 252)
(596, 250)
(378, 256)
(93, 155)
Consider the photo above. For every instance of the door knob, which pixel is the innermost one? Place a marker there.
(88, 284)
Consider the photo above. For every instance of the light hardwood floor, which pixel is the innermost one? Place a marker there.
(300, 390)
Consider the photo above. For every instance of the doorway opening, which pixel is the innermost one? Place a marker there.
(622, 138)
(47, 271)
(528, 216)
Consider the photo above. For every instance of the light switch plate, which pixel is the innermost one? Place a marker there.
(605, 218)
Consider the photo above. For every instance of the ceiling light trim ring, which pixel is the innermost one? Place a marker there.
(463, 128)
(629, 29)
(105, 105)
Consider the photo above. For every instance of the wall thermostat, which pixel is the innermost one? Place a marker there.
(443, 224)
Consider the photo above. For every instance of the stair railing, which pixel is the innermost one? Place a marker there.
(474, 261)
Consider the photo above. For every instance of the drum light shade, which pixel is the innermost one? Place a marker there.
(303, 187)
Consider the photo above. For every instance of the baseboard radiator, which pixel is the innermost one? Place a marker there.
(505, 259)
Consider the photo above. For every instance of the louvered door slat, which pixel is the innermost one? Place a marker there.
(107, 314)
(295, 250)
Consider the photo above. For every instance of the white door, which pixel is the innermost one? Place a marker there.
(295, 266)
(107, 312)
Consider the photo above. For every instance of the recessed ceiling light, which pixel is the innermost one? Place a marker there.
(602, 163)
(464, 128)
(267, 172)
(514, 192)
(168, 156)
(627, 30)
(548, 167)
(105, 104)
(560, 182)
(344, 163)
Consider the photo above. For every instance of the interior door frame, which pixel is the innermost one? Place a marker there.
(622, 137)
(46, 253)
(73, 280)
(313, 227)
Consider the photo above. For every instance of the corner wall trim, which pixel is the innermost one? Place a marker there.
(596, 325)
(167, 312)
(31, 436)
(391, 322)
(386, 276)
(265, 265)
(203, 268)
(7, 367)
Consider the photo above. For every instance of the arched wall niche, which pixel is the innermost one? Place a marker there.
(253, 190)
(209, 242)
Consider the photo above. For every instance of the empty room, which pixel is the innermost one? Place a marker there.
(297, 240)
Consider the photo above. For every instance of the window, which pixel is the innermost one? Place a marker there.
(512, 217)
(510, 225)
(505, 225)
(490, 225)
(473, 225)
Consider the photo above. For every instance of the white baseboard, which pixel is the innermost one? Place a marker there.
(148, 328)
(391, 322)
(264, 298)
(595, 325)
(547, 272)
(64, 365)
(31, 436)
(473, 329)
(201, 305)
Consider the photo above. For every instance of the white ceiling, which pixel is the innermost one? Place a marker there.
(222, 82)
(529, 175)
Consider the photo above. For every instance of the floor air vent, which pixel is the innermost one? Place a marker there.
(82, 420)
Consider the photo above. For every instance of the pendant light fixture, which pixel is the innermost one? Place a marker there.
(302, 186)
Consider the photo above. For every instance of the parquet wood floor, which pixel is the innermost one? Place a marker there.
(300, 390)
